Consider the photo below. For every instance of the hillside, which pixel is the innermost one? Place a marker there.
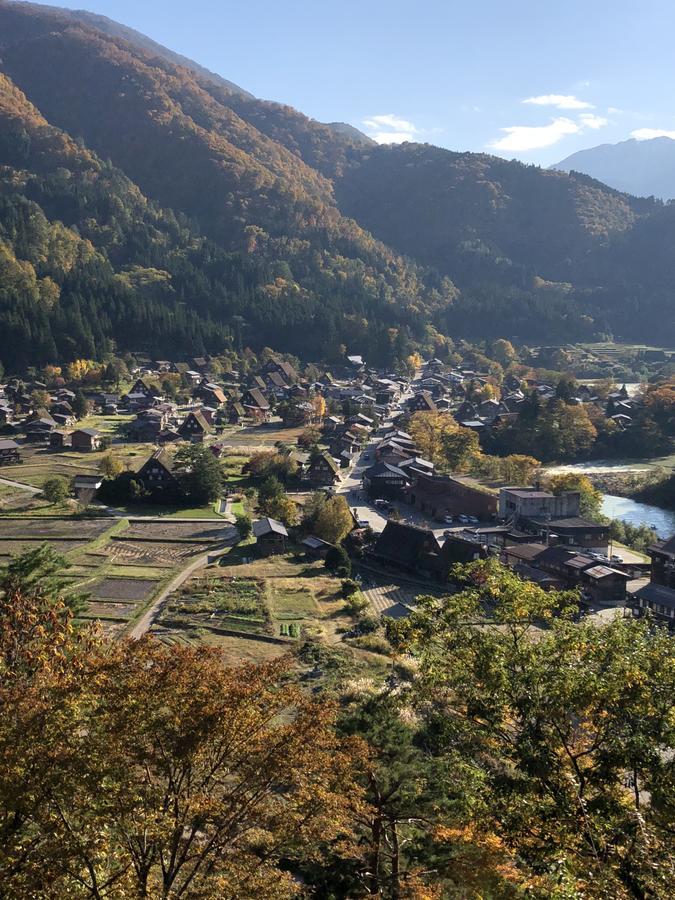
(306, 276)
(218, 220)
(643, 168)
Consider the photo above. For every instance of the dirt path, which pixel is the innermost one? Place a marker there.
(148, 618)
(21, 486)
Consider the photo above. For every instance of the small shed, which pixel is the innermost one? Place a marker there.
(271, 536)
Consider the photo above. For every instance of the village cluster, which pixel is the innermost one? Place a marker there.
(409, 520)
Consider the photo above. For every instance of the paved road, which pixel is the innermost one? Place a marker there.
(356, 497)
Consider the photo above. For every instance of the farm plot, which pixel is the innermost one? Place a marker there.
(180, 531)
(292, 606)
(12, 547)
(123, 588)
(232, 605)
(125, 551)
(49, 529)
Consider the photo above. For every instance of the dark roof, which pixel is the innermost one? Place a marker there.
(580, 562)
(573, 522)
(92, 432)
(385, 470)
(315, 543)
(162, 457)
(666, 547)
(328, 459)
(525, 551)
(9, 445)
(658, 594)
(269, 526)
(405, 544)
(258, 398)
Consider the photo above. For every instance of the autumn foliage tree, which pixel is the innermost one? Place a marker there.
(134, 769)
(568, 727)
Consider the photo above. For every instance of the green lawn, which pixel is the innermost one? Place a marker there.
(171, 512)
(237, 508)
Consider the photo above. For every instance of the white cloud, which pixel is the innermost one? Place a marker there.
(390, 129)
(521, 138)
(588, 120)
(560, 101)
(614, 111)
(646, 134)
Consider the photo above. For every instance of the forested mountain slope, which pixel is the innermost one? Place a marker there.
(204, 217)
(307, 279)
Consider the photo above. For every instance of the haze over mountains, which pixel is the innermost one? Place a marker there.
(148, 204)
(643, 168)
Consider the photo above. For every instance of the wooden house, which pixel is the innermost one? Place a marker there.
(85, 439)
(156, 474)
(195, 428)
(10, 453)
(256, 404)
(271, 536)
(323, 471)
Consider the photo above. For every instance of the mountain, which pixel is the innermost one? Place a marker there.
(643, 168)
(147, 206)
(133, 37)
(349, 131)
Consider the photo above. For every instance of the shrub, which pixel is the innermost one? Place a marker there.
(56, 489)
(338, 562)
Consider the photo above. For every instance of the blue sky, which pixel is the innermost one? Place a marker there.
(531, 80)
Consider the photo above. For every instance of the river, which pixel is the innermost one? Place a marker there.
(661, 520)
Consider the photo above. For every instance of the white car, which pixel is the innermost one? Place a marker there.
(463, 520)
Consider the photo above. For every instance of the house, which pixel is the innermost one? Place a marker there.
(59, 439)
(385, 480)
(663, 563)
(256, 404)
(147, 426)
(451, 495)
(516, 503)
(407, 547)
(459, 548)
(85, 439)
(211, 394)
(194, 428)
(39, 429)
(604, 585)
(10, 453)
(422, 402)
(573, 531)
(658, 597)
(156, 474)
(271, 536)
(235, 413)
(323, 471)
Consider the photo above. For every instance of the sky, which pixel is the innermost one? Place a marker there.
(534, 81)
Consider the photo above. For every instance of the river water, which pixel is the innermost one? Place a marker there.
(661, 520)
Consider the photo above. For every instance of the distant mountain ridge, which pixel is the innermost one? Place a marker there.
(642, 168)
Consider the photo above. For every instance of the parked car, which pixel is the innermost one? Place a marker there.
(463, 520)
(381, 504)
(448, 520)
(615, 558)
(473, 520)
